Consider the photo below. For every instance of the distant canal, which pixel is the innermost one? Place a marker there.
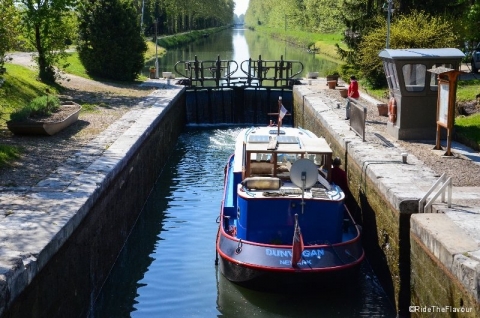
(167, 269)
(240, 45)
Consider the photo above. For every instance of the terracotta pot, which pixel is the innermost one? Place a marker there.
(344, 92)
(333, 78)
(332, 84)
(382, 109)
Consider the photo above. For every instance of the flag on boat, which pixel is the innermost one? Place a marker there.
(282, 113)
(297, 246)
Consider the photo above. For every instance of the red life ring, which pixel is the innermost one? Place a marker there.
(392, 110)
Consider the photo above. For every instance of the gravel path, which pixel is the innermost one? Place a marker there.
(41, 155)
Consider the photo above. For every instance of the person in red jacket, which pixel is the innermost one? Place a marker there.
(339, 176)
(353, 88)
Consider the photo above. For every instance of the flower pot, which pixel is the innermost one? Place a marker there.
(344, 92)
(382, 109)
(333, 78)
(153, 73)
(46, 127)
(332, 84)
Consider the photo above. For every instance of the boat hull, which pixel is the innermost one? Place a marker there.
(272, 280)
(263, 266)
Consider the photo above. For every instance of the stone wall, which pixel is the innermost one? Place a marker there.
(71, 280)
(387, 194)
(435, 292)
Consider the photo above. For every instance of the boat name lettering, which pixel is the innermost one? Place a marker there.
(289, 262)
(288, 253)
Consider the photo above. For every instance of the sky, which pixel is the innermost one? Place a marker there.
(241, 6)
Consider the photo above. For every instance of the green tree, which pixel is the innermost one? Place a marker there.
(110, 44)
(177, 16)
(47, 26)
(9, 31)
(471, 22)
(416, 30)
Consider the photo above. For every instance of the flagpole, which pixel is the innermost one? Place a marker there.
(279, 119)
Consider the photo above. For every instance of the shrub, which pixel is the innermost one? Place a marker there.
(39, 107)
(110, 44)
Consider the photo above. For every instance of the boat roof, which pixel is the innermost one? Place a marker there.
(284, 140)
(287, 140)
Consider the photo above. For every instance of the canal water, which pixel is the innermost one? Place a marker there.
(240, 45)
(167, 268)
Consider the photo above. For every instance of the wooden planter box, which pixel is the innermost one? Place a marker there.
(32, 127)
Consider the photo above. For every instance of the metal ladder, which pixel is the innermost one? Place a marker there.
(445, 183)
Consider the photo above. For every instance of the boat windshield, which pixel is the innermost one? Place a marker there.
(272, 164)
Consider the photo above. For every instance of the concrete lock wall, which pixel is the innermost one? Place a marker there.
(433, 285)
(387, 195)
(380, 220)
(73, 276)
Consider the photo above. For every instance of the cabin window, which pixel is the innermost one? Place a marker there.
(414, 77)
(391, 74)
(434, 77)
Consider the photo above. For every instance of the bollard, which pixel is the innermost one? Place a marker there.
(347, 111)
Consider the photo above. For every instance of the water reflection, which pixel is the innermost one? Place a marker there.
(240, 45)
(363, 298)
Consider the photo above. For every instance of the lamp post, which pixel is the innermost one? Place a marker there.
(285, 36)
(389, 8)
(141, 21)
(156, 49)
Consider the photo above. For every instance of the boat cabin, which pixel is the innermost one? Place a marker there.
(277, 174)
(271, 152)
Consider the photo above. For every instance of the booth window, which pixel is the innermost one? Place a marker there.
(434, 77)
(414, 75)
(391, 74)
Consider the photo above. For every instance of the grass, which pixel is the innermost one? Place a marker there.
(468, 90)
(20, 87)
(8, 154)
(72, 65)
(469, 127)
(172, 41)
(324, 41)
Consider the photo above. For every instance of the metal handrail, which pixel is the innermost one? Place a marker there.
(445, 183)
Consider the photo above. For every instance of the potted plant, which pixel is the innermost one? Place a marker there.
(333, 77)
(44, 115)
(153, 72)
